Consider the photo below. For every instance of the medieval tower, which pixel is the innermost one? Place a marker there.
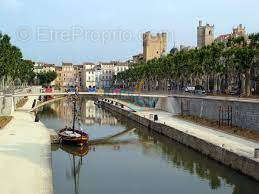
(154, 46)
(205, 35)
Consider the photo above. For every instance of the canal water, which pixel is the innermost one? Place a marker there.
(136, 161)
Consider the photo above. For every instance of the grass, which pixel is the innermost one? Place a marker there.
(4, 120)
(22, 102)
(242, 132)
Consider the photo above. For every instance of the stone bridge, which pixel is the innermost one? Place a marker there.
(8, 102)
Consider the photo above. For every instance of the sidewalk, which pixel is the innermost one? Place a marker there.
(229, 142)
(25, 153)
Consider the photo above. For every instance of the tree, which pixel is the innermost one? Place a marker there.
(45, 78)
(244, 58)
(14, 70)
(220, 62)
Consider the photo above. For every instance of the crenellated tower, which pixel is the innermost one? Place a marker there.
(154, 46)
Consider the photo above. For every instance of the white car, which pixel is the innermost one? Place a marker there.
(190, 89)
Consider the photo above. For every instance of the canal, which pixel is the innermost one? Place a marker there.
(136, 161)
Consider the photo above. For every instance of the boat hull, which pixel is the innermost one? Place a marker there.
(73, 140)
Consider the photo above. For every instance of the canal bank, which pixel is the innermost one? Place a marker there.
(25, 152)
(235, 152)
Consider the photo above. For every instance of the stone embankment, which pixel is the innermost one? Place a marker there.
(235, 152)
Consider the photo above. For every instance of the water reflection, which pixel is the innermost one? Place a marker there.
(125, 157)
(189, 160)
(90, 114)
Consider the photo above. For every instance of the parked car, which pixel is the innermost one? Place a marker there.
(71, 89)
(234, 91)
(198, 89)
(189, 89)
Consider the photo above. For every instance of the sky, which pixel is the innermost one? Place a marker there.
(80, 31)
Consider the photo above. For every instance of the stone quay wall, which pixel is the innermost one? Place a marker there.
(246, 166)
(245, 114)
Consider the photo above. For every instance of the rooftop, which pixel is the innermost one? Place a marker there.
(67, 64)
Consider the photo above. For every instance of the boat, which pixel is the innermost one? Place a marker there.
(72, 135)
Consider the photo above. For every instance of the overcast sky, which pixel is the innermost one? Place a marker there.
(102, 30)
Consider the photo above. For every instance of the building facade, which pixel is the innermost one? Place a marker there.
(107, 73)
(98, 76)
(58, 80)
(154, 46)
(78, 72)
(137, 58)
(236, 32)
(49, 67)
(120, 66)
(68, 75)
(38, 67)
(88, 75)
(205, 35)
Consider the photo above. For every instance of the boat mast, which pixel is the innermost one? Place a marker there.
(74, 119)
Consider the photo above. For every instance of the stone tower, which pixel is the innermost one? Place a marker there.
(154, 46)
(205, 35)
(239, 31)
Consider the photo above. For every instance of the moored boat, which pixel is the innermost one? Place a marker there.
(73, 136)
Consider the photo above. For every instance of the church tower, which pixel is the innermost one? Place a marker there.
(205, 35)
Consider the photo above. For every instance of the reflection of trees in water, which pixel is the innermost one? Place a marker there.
(196, 163)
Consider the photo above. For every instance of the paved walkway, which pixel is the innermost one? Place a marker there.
(230, 142)
(25, 155)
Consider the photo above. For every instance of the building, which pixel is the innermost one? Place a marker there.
(78, 72)
(88, 75)
(107, 73)
(137, 58)
(58, 80)
(154, 46)
(48, 67)
(239, 31)
(68, 75)
(38, 67)
(205, 35)
(236, 32)
(185, 48)
(120, 66)
(98, 76)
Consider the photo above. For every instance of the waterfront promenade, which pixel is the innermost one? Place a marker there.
(25, 152)
(228, 141)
